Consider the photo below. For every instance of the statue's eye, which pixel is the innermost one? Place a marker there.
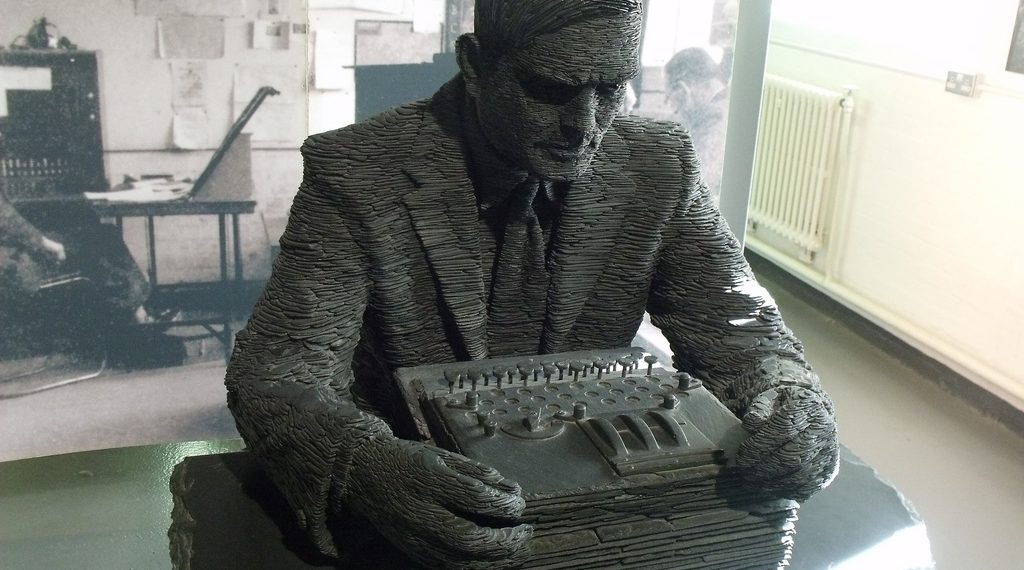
(551, 92)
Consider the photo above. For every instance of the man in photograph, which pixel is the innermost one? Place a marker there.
(699, 99)
(67, 281)
(512, 213)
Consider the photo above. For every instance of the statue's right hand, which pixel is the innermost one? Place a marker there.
(441, 508)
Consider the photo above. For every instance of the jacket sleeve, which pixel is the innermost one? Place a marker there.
(723, 327)
(290, 372)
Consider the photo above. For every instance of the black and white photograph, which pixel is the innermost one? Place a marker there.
(148, 154)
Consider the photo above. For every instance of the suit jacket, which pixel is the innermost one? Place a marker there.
(380, 266)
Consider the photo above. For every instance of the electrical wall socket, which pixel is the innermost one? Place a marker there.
(961, 83)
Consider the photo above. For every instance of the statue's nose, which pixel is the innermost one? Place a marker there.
(579, 119)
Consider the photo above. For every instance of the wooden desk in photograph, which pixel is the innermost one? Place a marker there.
(231, 282)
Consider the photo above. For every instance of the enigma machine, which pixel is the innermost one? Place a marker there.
(622, 464)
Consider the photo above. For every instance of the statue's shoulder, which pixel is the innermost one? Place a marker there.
(635, 130)
(370, 140)
(654, 144)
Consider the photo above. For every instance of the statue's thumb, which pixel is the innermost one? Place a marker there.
(760, 410)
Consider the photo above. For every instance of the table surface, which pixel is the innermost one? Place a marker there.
(96, 509)
(191, 207)
(111, 509)
(175, 208)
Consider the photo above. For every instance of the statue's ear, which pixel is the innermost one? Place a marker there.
(471, 62)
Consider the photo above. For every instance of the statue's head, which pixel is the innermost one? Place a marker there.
(549, 76)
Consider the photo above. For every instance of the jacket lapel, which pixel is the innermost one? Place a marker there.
(587, 233)
(443, 211)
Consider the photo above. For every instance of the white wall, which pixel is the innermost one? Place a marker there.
(930, 243)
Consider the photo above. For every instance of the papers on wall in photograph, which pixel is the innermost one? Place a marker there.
(383, 6)
(380, 42)
(328, 53)
(188, 79)
(268, 34)
(225, 8)
(190, 128)
(281, 9)
(186, 37)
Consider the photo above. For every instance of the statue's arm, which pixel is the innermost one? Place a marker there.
(726, 329)
(289, 388)
(290, 373)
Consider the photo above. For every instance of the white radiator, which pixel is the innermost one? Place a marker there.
(800, 145)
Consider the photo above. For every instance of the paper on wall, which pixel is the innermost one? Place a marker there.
(328, 55)
(382, 6)
(225, 8)
(186, 37)
(272, 7)
(267, 34)
(190, 128)
(282, 9)
(188, 79)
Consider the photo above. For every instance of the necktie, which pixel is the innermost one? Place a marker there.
(519, 292)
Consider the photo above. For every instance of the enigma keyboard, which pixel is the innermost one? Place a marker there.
(622, 463)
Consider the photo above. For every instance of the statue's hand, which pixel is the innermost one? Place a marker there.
(793, 450)
(441, 508)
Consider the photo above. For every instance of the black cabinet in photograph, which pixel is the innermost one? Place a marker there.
(51, 142)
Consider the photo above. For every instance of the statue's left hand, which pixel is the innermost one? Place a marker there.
(793, 449)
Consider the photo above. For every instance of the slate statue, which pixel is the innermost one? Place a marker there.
(511, 213)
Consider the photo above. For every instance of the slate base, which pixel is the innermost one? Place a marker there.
(227, 514)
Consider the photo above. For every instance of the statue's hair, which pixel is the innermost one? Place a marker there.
(511, 24)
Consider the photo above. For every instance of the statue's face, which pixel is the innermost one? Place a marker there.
(546, 107)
